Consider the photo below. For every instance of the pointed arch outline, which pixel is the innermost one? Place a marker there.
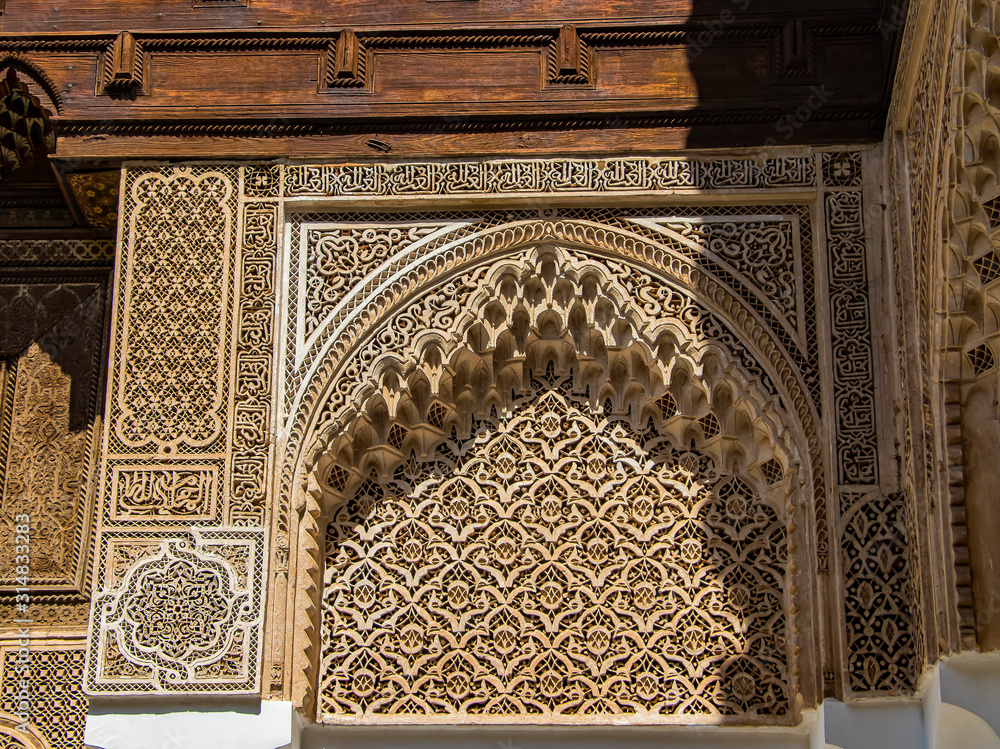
(369, 323)
(392, 374)
(402, 276)
(38, 76)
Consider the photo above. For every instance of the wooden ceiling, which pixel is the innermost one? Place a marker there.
(191, 78)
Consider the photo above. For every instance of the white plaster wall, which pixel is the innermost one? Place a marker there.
(551, 738)
(265, 725)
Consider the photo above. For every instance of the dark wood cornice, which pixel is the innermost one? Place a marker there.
(733, 79)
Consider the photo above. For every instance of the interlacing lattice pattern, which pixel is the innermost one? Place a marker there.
(555, 563)
(58, 707)
(880, 592)
(177, 288)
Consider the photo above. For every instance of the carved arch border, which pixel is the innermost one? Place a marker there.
(946, 162)
(38, 76)
(298, 518)
(480, 326)
(12, 737)
(702, 285)
(963, 278)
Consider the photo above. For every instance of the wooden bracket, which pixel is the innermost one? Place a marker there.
(569, 59)
(568, 52)
(796, 51)
(124, 67)
(346, 62)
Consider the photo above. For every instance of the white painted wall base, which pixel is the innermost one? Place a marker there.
(557, 737)
(958, 708)
(192, 725)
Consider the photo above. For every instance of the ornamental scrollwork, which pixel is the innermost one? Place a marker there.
(338, 258)
(761, 251)
(556, 563)
(171, 381)
(185, 614)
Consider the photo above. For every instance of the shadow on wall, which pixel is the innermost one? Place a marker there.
(771, 73)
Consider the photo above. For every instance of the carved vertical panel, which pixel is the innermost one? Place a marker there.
(880, 592)
(171, 374)
(52, 335)
(851, 330)
(52, 389)
(251, 427)
(880, 601)
(53, 322)
(188, 442)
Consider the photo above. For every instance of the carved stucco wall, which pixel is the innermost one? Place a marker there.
(53, 326)
(758, 271)
(941, 158)
(271, 335)
(347, 269)
(180, 557)
(541, 548)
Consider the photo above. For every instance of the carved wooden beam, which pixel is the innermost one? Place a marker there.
(124, 67)
(345, 62)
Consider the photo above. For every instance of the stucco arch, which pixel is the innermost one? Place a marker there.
(597, 308)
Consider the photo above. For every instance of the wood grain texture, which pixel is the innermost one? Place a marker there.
(441, 78)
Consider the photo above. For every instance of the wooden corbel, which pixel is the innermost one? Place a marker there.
(569, 59)
(795, 54)
(345, 62)
(124, 67)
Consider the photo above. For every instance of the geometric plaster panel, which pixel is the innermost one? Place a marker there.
(189, 416)
(185, 461)
(172, 375)
(755, 265)
(881, 596)
(569, 553)
(179, 612)
(556, 564)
